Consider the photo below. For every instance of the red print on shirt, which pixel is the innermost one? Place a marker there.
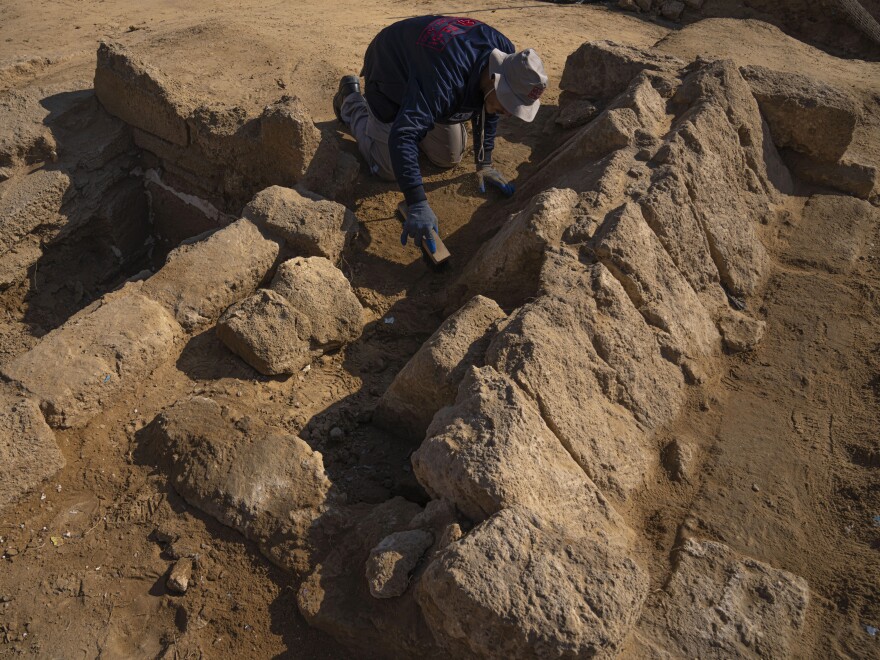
(439, 32)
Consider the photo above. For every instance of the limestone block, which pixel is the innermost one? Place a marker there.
(141, 95)
(267, 332)
(310, 225)
(853, 174)
(264, 483)
(28, 453)
(319, 290)
(430, 379)
(392, 562)
(712, 178)
(80, 368)
(719, 604)
(492, 450)
(586, 356)
(517, 587)
(833, 233)
(600, 70)
(804, 113)
(200, 280)
(31, 201)
(506, 267)
(632, 252)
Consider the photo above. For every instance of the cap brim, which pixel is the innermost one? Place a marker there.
(511, 101)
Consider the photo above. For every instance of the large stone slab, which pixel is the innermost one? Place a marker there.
(86, 364)
(803, 113)
(517, 587)
(267, 484)
(28, 452)
(141, 95)
(604, 69)
(429, 381)
(632, 252)
(492, 450)
(310, 225)
(200, 280)
(719, 604)
(318, 289)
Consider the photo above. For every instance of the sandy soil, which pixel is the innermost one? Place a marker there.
(788, 438)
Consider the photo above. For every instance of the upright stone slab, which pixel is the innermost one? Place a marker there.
(429, 381)
(141, 95)
(83, 366)
(28, 452)
(200, 280)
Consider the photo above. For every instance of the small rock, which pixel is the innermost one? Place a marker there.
(576, 113)
(740, 332)
(677, 460)
(11, 551)
(672, 9)
(756, 488)
(628, 5)
(336, 433)
(450, 535)
(392, 561)
(178, 580)
(5, 173)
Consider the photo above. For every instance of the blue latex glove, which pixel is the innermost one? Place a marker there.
(488, 174)
(420, 220)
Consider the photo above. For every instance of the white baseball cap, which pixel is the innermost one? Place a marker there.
(519, 81)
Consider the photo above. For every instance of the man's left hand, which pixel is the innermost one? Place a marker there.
(488, 174)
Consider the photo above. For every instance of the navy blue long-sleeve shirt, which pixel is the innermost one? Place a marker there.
(426, 70)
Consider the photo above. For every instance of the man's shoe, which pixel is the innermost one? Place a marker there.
(347, 85)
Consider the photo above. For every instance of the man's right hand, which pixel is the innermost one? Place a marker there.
(420, 220)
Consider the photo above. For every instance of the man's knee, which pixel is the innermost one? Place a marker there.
(445, 159)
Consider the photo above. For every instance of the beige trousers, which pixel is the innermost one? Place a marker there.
(444, 145)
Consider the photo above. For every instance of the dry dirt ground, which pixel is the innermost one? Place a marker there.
(786, 442)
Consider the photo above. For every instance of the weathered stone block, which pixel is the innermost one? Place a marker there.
(310, 225)
(202, 279)
(600, 70)
(83, 366)
(803, 113)
(492, 450)
(264, 483)
(28, 452)
(319, 290)
(517, 587)
(141, 95)
(267, 332)
(430, 379)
